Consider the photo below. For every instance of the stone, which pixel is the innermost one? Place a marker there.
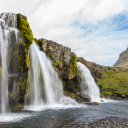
(85, 96)
(91, 103)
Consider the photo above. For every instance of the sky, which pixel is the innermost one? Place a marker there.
(96, 30)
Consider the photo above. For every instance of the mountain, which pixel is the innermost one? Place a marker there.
(123, 60)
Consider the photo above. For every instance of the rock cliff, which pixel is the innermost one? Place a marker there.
(64, 62)
(123, 60)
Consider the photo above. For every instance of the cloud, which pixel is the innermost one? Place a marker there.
(97, 10)
(26, 7)
(95, 29)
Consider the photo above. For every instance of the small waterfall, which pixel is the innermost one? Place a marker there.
(87, 82)
(44, 86)
(7, 25)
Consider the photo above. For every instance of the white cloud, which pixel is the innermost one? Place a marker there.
(26, 7)
(84, 25)
(96, 10)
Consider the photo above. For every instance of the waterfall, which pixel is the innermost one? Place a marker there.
(87, 82)
(44, 86)
(8, 24)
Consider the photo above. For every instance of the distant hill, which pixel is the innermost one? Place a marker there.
(123, 60)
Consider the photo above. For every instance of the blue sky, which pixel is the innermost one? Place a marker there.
(95, 29)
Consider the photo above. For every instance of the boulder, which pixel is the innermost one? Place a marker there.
(83, 97)
(91, 103)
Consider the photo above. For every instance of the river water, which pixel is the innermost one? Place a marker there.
(64, 116)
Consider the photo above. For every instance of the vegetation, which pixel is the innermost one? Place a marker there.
(72, 69)
(54, 63)
(39, 42)
(25, 30)
(25, 40)
(114, 84)
(70, 94)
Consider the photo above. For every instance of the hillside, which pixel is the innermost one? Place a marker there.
(123, 60)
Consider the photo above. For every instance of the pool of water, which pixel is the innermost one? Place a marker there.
(63, 117)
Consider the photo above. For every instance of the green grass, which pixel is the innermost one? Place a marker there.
(113, 84)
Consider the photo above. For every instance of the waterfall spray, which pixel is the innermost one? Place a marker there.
(87, 82)
(43, 82)
(8, 23)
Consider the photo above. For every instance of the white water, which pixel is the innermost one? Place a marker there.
(44, 85)
(7, 25)
(87, 82)
(13, 117)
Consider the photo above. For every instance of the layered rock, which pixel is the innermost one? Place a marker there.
(64, 62)
(123, 60)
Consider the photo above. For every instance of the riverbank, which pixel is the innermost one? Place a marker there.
(109, 122)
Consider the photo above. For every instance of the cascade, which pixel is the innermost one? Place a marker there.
(87, 82)
(44, 86)
(8, 24)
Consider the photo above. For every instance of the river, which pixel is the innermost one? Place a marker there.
(64, 116)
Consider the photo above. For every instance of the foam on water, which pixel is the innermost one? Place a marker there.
(13, 117)
(54, 107)
(105, 100)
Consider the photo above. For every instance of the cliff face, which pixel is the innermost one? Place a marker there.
(123, 60)
(64, 62)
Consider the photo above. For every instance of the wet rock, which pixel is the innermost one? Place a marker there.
(83, 95)
(91, 103)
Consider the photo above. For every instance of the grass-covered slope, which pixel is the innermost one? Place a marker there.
(113, 83)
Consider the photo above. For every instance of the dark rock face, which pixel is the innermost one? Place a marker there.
(123, 60)
(59, 55)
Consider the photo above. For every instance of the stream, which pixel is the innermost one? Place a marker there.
(64, 116)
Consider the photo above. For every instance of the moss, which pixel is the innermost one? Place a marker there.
(77, 59)
(47, 48)
(17, 107)
(72, 69)
(39, 42)
(54, 63)
(22, 58)
(70, 94)
(61, 61)
(11, 95)
(25, 30)
(113, 84)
